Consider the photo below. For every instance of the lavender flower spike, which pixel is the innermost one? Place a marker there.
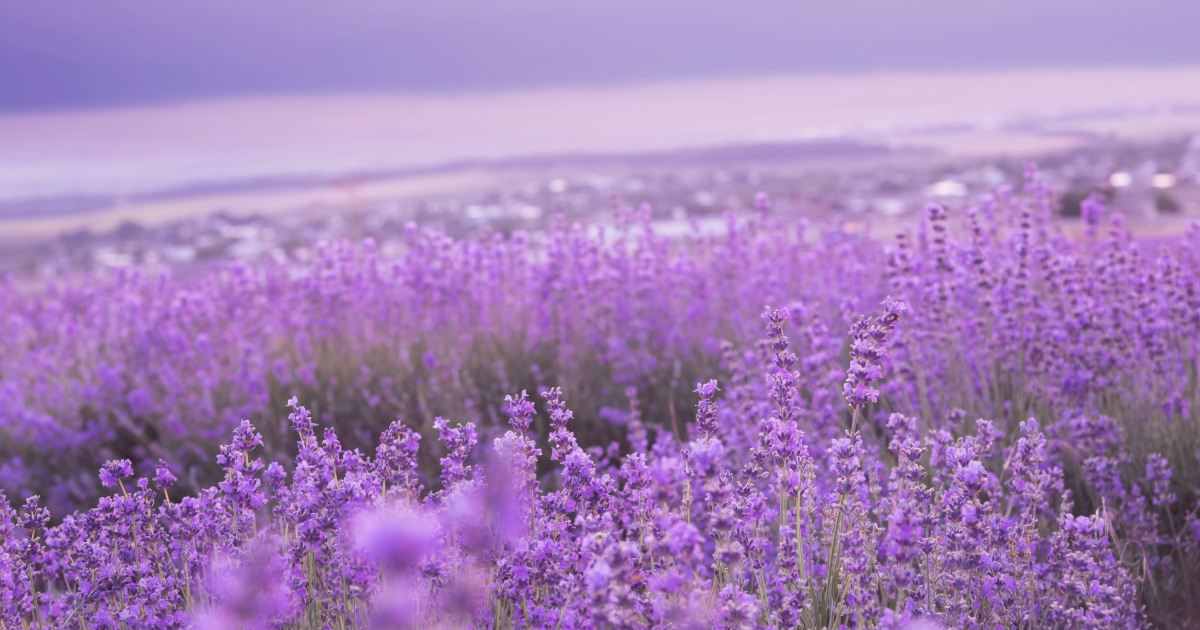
(867, 348)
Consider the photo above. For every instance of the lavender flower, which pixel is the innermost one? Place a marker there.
(762, 201)
(867, 348)
(162, 475)
(114, 471)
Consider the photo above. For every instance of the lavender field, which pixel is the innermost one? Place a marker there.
(980, 422)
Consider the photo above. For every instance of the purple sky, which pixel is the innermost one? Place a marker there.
(68, 54)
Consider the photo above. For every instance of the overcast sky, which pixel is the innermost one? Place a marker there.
(68, 54)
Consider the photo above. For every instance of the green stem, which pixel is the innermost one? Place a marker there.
(834, 563)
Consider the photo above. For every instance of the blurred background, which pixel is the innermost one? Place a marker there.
(150, 134)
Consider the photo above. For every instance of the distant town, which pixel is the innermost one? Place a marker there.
(844, 185)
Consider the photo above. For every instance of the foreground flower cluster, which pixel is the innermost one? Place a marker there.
(753, 523)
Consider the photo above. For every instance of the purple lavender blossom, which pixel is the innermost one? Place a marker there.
(162, 475)
(397, 539)
(762, 201)
(867, 348)
(114, 471)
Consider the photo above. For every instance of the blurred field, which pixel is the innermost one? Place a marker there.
(270, 202)
(156, 147)
(188, 182)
